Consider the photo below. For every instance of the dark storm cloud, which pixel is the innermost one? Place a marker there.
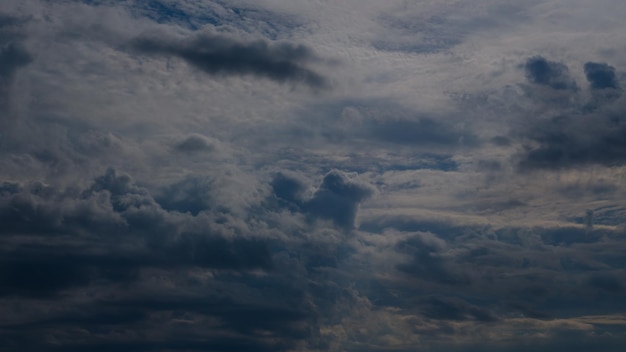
(163, 322)
(218, 54)
(110, 236)
(577, 140)
(603, 83)
(111, 209)
(578, 135)
(549, 73)
(601, 76)
(337, 198)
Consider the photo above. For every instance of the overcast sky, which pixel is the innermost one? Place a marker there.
(312, 175)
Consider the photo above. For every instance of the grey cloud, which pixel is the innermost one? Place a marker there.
(113, 207)
(195, 143)
(423, 131)
(570, 141)
(189, 195)
(580, 135)
(601, 76)
(110, 236)
(336, 199)
(442, 229)
(604, 84)
(427, 262)
(446, 308)
(549, 73)
(570, 235)
(290, 188)
(13, 56)
(218, 54)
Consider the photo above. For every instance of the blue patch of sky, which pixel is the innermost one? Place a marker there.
(270, 25)
(196, 15)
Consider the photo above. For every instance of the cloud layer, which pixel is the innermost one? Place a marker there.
(312, 176)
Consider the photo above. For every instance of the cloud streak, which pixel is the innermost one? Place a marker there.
(220, 54)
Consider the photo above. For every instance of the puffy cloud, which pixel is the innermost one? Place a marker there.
(549, 73)
(336, 199)
(208, 247)
(601, 76)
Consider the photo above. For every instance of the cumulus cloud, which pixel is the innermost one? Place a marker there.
(384, 214)
(336, 199)
(549, 73)
(601, 76)
(575, 134)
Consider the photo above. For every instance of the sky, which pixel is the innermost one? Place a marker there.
(312, 175)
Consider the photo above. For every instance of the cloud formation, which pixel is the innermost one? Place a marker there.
(220, 54)
(336, 199)
(159, 191)
(549, 73)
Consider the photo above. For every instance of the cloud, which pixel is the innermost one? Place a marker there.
(455, 309)
(576, 140)
(573, 134)
(290, 187)
(336, 199)
(13, 55)
(601, 76)
(427, 261)
(384, 214)
(423, 131)
(549, 73)
(221, 54)
(195, 143)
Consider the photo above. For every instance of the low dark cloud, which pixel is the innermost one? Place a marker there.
(218, 54)
(549, 73)
(112, 208)
(428, 263)
(289, 188)
(336, 199)
(112, 238)
(577, 140)
(191, 195)
(577, 134)
(601, 76)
